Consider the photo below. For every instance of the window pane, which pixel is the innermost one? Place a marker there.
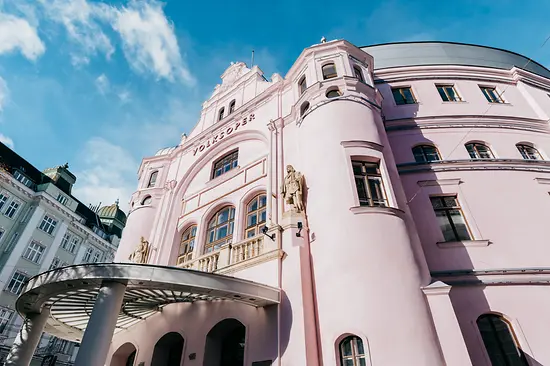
(357, 169)
(349, 362)
(360, 349)
(445, 226)
(262, 216)
(250, 233)
(471, 151)
(419, 155)
(211, 236)
(345, 347)
(251, 220)
(361, 190)
(442, 93)
(398, 97)
(484, 152)
(451, 93)
(450, 201)
(253, 206)
(263, 200)
(376, 191)
(408, 95)
(361, 361)
(223, 216)
(460, 225)
(221, 232)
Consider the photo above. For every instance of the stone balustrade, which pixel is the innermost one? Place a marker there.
(228, 255)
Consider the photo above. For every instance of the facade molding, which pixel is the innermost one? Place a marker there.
(540, 166)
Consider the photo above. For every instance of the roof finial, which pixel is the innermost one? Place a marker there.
(116, 202)
(66, 165)
(323, 39)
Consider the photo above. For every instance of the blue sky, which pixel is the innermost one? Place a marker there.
(101, 84)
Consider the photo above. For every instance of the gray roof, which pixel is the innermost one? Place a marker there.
(448, 53)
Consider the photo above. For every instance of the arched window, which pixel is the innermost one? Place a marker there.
(329, 71)
(302, 85)
(425, 153)
(529, 152)
(479, 151)
(220, 114)
(232, 106)
(333, 93)
(304, 108)
(358, 73)
(220, 229)
(187, 244)
(152, 179)
(147, 200)
(225, 164)
(352, 352)
(255, 215)
(500, 341)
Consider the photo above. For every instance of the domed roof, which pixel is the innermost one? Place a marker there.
(112, 212)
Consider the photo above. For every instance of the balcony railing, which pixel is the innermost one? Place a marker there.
(229, 254)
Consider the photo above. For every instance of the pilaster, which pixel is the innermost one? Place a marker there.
(52, 250)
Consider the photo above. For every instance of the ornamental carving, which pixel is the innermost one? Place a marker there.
(292, 189)
(141, 253)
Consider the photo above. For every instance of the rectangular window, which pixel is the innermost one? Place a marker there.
(17, 283)
(69, 242)
(97, 257)
(448, 93)
(23, 179)
(3, 200)
(225, 164)
(450, 218)
(403, 95)
(87, 255)
(491, 94)
(48, 224)
(34, 252)
(61, 199)
(368, 182)
(5, 317)
(55, 263)
(12, 209)
(2, 231)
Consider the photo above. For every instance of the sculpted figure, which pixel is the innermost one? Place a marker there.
(140, 254)
(292, 189)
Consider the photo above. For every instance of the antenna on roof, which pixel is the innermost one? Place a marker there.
(252, 62)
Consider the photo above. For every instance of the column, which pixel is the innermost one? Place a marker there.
(446, 325)
(270, 175)
(97, 337)
(27, 339)
(21, 244)
(52, 250)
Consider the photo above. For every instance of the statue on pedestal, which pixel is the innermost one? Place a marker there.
(141, 253)
(292, 189)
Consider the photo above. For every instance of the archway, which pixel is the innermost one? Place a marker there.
(125, 355)
(168, 350)
(225, 344)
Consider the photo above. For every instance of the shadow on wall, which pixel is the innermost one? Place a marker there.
(286, 322)
(470, 302)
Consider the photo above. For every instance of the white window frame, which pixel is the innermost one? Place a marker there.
(62, 199)
(97, 256)
(20, 283)
(4, 198)
(48, 222)
(55, 263)
(5, 319)
(34, 251)
(87, 255)
(14, 211)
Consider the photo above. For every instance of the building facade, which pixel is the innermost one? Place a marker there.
(43, 227)
(358, 211)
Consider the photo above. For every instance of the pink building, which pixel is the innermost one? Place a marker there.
(361, 211)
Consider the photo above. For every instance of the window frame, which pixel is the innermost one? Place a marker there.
(448, 216)
(147, 198)
(50, 224)
(188, 243)
(151, 183)
(424, 154)
(231, 107)
(55, 263)
(326, 75)
(358, 73)
(20, 285)
(475, 151)
(495, 98)
(355, 354)
(400, 90)
(234, 164)
(442, 90)
(302, 85)
(216, 244)
(87, 255)
(4, 199)
(494, 334)
(5, 320)
(366, 177)
(221, 113)
(14, 211)
(34, 252)
(333, 90)
(526, 155)
(256, 228)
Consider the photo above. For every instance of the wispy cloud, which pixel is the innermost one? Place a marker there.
(106, 172)
(6, 141)
(17, 34)
(4, 92)
(102, 84)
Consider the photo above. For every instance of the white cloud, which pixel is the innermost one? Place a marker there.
(4, 92)
(80, 19)
(102, 84)
(149, 41)
(6, 141)
(124, 96)
(17, 34)
(107, 173)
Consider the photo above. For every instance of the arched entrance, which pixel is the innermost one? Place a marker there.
(125, 355)
(225, 344)
(168, 350)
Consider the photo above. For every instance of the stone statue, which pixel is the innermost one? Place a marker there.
(292, 189)
(141, 253)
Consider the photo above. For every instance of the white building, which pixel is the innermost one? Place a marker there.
(42, 227)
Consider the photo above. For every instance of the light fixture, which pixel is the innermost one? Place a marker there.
(264, 231)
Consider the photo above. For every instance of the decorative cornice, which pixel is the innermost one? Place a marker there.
(494, 277)
(462, 244)
(439, 182)
(359, 210)
(476, 164)
(542, 180)
(262, 258)
(437, 288)
(361, 143)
